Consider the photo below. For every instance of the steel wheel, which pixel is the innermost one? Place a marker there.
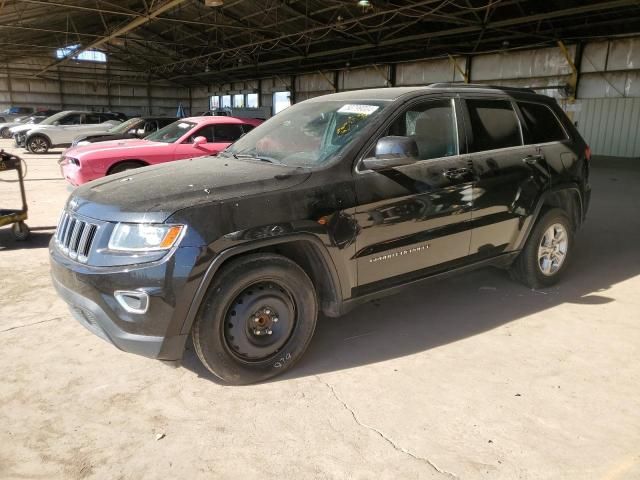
(552, 250)
(38, 145)
(256, 319)
(259, 321)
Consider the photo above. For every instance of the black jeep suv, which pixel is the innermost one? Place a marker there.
(332, 202)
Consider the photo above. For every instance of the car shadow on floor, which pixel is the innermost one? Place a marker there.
(606, 252)
(39, 238)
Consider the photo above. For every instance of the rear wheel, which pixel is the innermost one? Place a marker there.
(38, 144)
(547, 251)
(123, 166)
(256, 320)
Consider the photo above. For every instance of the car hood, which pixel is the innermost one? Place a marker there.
(152, 194)
(113, 146)
(22, 128)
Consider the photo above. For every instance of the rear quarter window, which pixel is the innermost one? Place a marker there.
(494, 125)
(542, 124)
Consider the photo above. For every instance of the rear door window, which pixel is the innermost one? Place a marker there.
(494, 125)
(227, 132)
(542, 124)
(94, 118)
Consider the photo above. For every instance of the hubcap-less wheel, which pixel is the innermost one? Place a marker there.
(38, 145)
(552, 250)
(259, 321)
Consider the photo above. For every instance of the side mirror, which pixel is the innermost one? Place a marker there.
(200, 140)
(392, 152)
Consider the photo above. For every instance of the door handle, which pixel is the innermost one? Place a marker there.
(454, 173)
(532, 159)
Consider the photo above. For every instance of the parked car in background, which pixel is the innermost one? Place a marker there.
(59, 130)
(262, 113)
(138, 127)
(184, 138)
(12, 113)
(39, 116)
(5, 126)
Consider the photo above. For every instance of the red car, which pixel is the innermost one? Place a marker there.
(185, 138)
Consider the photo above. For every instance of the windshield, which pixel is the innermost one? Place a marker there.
(308, 134)
(171, 132)
(125, 127)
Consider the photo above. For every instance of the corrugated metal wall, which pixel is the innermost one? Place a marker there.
(611, 126)
(606, 108)
(87, 85)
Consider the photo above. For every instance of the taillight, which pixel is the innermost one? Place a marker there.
(587, 153)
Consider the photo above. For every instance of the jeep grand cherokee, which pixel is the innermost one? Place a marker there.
(332, 202)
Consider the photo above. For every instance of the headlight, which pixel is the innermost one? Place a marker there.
(141, 237)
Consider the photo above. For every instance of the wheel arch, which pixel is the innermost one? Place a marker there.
(305, 250)
(38, 134)
(142, 163)
(567, 197)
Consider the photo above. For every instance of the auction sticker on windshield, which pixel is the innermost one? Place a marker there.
(358, 109)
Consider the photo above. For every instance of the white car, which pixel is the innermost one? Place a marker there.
(60, 129)
(5, 126)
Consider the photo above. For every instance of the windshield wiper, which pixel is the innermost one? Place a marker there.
(256, 157)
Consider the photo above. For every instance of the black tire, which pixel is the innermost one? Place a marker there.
(123, 166)
(5, 133)
(20, 231)
(527, 267)
(236, 301)
(38, 144)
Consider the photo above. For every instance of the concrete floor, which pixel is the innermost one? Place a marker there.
(473, 377)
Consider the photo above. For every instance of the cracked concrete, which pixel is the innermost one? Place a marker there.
(30, 324)
(474, 376)
(382, 435)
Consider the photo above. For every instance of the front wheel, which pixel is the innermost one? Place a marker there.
(38, 144)
(547, 251)
(5, 133)
(256, 320)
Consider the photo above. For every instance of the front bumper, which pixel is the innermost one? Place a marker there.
(75, 174)
(157, 333)
(20, 140)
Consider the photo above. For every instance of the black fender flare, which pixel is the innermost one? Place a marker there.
(235, 251)
(572, 187)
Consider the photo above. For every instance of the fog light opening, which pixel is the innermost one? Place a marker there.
(133, 301)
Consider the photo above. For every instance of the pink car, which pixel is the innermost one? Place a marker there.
(185, 138)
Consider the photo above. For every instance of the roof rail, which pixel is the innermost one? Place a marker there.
(480, 85)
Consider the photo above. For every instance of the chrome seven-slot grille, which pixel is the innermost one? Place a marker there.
(74, 236)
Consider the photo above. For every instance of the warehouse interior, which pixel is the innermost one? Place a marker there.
(468, 377)
(204, 54)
